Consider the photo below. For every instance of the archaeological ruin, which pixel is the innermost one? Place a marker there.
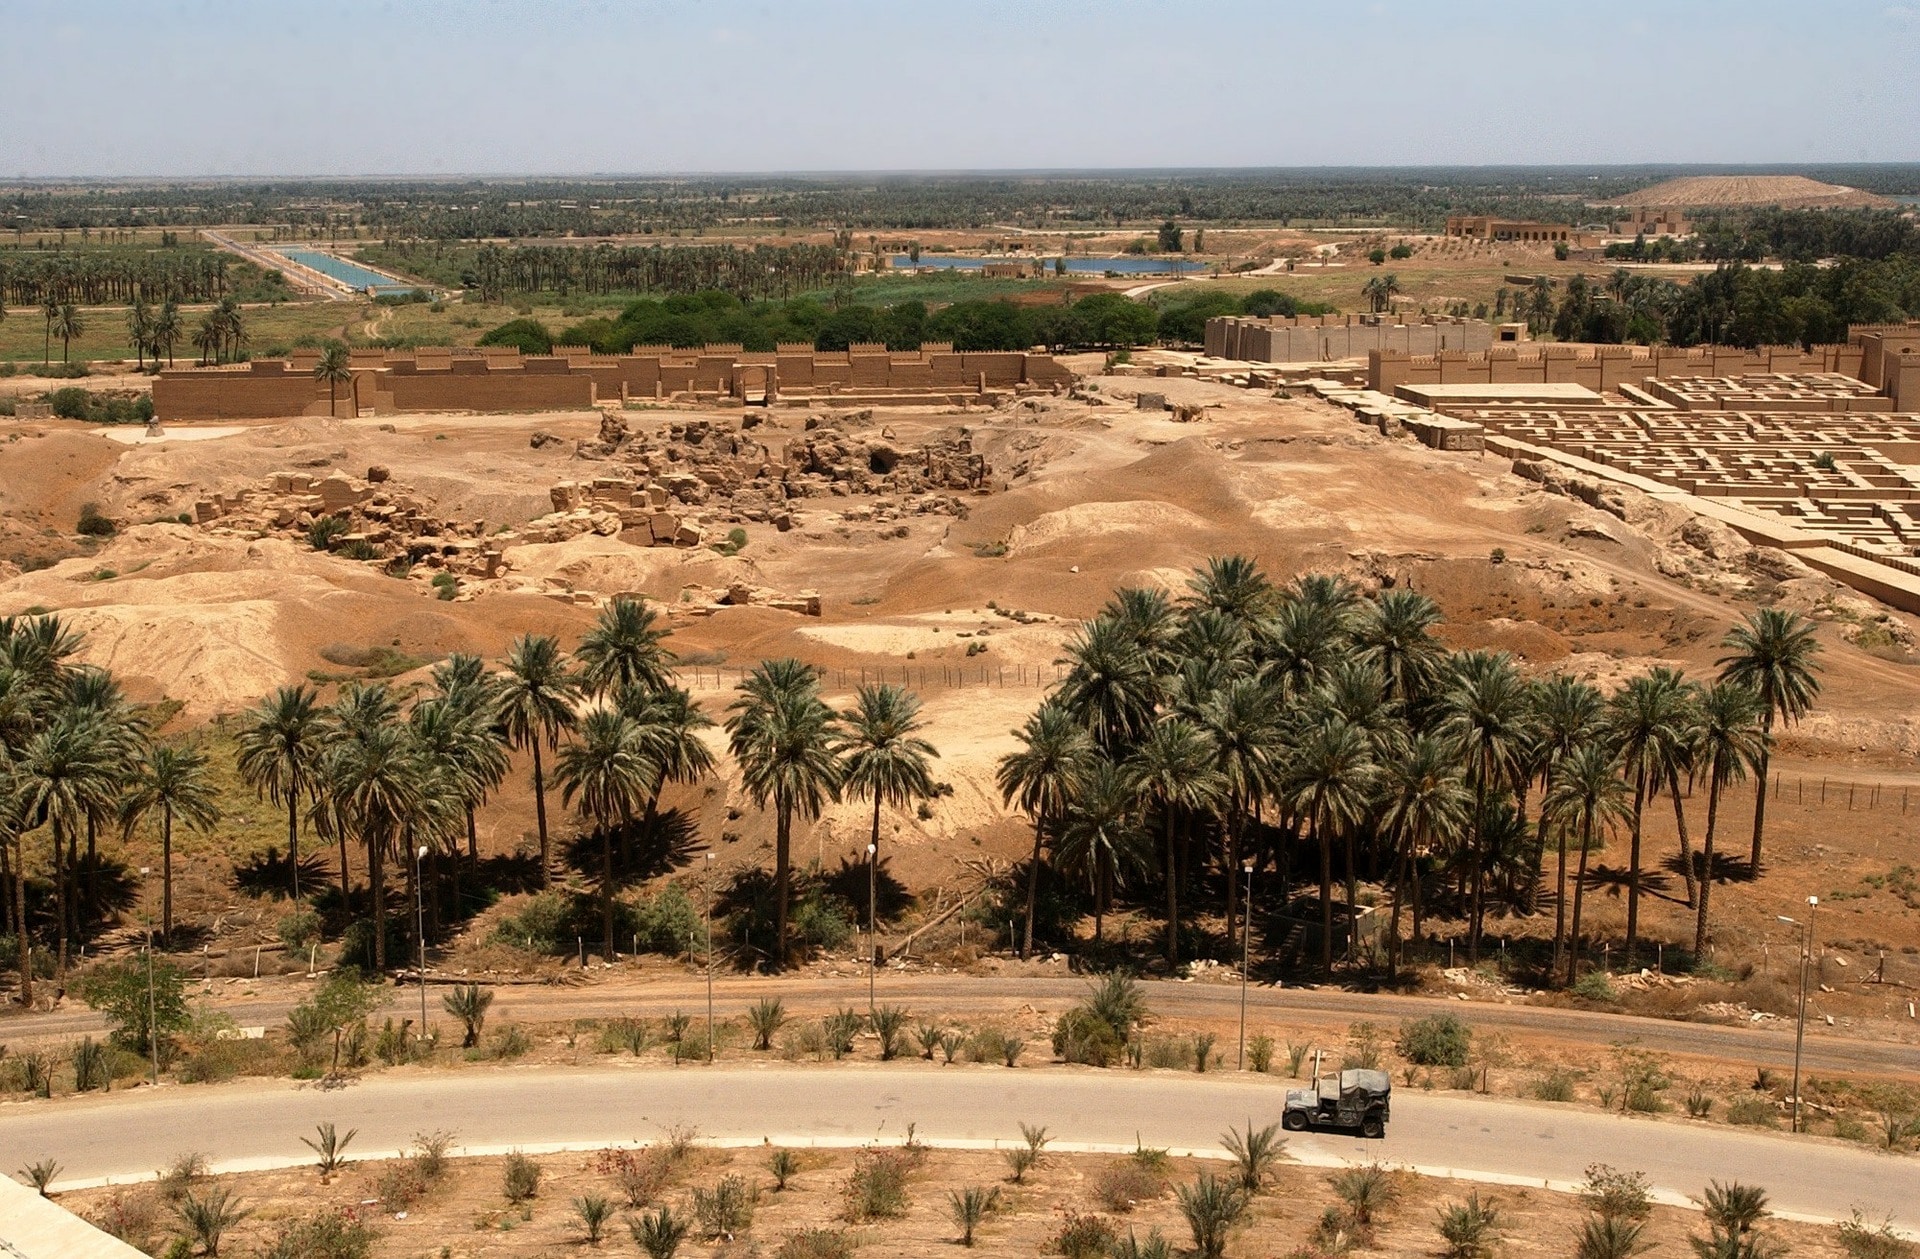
(387, 382)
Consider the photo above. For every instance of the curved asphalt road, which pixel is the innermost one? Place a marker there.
(260, 1124)
(1268, 1009)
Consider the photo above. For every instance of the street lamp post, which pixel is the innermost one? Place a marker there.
(873, 932)
(1246, 956)
(1800, 1028)
(710, 857)
(420, 927)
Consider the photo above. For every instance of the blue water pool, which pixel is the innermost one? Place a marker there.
(1075, 266)
(349, 273)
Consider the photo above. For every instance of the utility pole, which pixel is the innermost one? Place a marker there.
(1800, 1029)
(1246, 957)
(153, 1017)
(420, 927)
(873, 932)
(709, 864)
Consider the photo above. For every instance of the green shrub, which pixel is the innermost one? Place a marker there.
(816, 1243)
(876, 1189)
(1260, 1053)
(519, 1178)
(726, 1210)
(140, 998)
(529, 336)
(92, 524)
(1596, 985)
(1469, 1228)
(1439, 1040)
(1554, 1086)
(1613, 1194)
(1082, 1237)
(1081, 1036)
(1753, 1112)
(1862, 1240)
(325, 531)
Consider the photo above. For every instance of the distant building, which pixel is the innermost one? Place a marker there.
(1011, 269)
(1654, 220)
(1486, 227)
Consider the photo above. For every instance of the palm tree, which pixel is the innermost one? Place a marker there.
(1732, 738)
(1394, 633)
(166, 330)
(1646, 725)
(50, 310)
(670, 723)
(782, 735)
(1174, 771)
(1328, 781)
(139, 329)
(608, 772)
(335, 368)
(884, 756)
(1243, 721)
(478, 746)
(66, 773)
(232, 326)
(207, 337)
(1486, 715)
(374, 783)
(178, 781)
(1042, 777)
(1566, 714)
(1587, 800)
(280, 745)
(1234, 585)
(1111, 688)
(624, 649)
(1102, 838)
(1426, 808)
(1772, 654)
(69, 325)
(535, 705)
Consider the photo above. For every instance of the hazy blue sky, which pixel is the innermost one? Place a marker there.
(239, 87)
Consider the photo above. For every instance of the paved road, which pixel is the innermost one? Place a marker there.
(260, 1124)
(1268, 1008)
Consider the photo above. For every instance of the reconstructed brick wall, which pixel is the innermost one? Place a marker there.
(1327, 338)
(462, 379)
(1600, 366)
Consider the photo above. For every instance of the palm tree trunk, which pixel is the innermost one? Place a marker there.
(782, 880)
(1326, 896)
(376, 881)
(60, 897)
(346, 887)
(166, 875)
(873, 868)
(1579, 899)
(1760, 794)
(22, 940)
(1393, 917)
(1560, 907)
(1633, 868)
(473, 838)
(540, 815)
(606, 892)
(1173, 894)
(92, 901)
(1530, 898)
(1033, 889)
(293, 837)
(1706, 873)
(1353, 898)
(1686, 844)
(1100, 877)
(1479, 871)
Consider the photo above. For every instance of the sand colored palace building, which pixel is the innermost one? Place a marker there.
(385, 382)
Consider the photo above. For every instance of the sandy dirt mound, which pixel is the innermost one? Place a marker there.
(1106, 521)
(1795, 191)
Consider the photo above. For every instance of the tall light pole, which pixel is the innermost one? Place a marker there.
(1800, 1029)
(873, 931)
(420, 926)
(709, 863)
(1246, 956)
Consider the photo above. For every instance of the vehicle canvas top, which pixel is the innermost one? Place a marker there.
(1371, 1081)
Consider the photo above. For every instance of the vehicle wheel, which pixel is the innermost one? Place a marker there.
(1294, 1121)
(1372, 1127)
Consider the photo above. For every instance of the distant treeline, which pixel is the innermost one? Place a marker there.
(1735, 304)
(491, 272)
(515, 209)
(1099, 321)
(98, 277)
